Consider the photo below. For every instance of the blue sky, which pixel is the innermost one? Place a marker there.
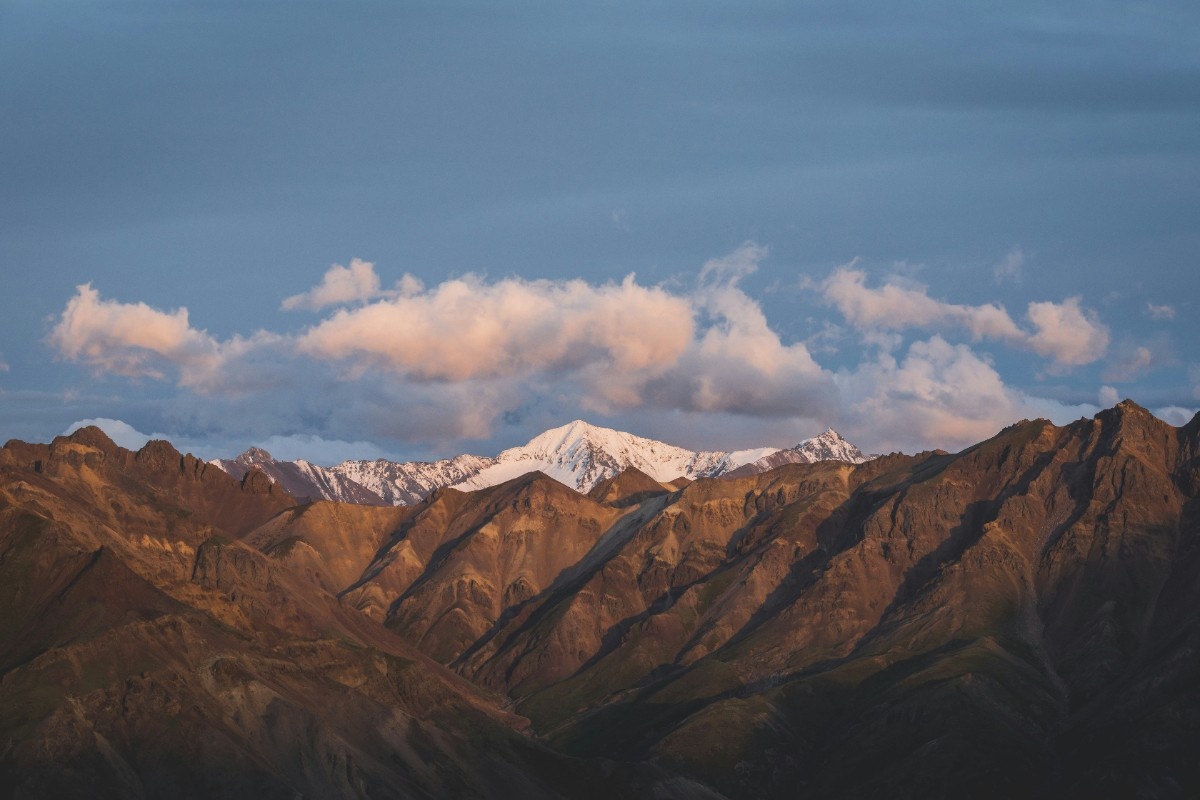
(916, 225)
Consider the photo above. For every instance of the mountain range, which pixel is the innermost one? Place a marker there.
(1019, 619)
(578, 455)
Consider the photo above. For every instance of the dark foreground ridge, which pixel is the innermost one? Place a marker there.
(1021, 619)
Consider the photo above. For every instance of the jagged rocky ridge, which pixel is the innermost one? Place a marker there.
(577, 454)
(1020, 619)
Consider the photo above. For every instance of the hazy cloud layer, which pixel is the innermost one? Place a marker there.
(450, 361)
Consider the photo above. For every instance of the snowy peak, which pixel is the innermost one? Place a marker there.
(299, 478)
(577, 454)
(830, 446)
(582, 455)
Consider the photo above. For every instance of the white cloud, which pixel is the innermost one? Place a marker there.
(316, 450)
(468, 328)
(356, 283)
(134, 340)
(1009, 269)
(447, 363)
(129, 339)
(1109, 396)
(120, 432)
(1175, 415)
(939, 394)
(1064, 332)
(1067, 333)
(896, 307)
(1162, 312)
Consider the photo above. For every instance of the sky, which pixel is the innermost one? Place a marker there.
(410, 230)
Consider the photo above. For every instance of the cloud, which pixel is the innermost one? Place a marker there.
(738, 363)
(134, 340)
(1009, 269)
(1132, 363)
(1067, 333)
(120, 432)
(1163, 312)
(940, 394)
(316, 450)
(129, 339)
(436, 366)
(468, 328)
(1175, 415)
(356, 283)
(1064, 332)
(896, 307)
(1109, 396)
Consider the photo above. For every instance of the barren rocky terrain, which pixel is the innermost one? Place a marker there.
(1020, 619)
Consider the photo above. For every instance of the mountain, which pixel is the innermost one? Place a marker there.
(149, 649)
(577, 454)
(580, 455)
(410, 482)
(301, 479)
(829, 446)
(1020, 619)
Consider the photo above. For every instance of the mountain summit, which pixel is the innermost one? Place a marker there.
(577, 454)
(581, 455)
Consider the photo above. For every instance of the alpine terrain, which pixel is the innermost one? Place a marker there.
(1019, 619)
(577, 454)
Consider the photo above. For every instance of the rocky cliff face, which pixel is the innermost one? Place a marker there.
(1018, 619)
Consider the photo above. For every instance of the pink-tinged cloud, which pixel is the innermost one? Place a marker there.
(134, 340)
(129, 339)
(895, 307)
(1066, 333)
(468, 329)
(356, 283)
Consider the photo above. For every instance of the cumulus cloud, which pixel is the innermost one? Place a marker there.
(129, 339)
(939, 394)
(738, 363)
(1064, 332)
(439, 365)
(1067, 333)
(134, 340)
(341, 285)
(1109, 396)
(896, 307)
(469, 328)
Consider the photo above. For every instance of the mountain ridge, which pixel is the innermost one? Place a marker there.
(578, 454)
(1017, 619)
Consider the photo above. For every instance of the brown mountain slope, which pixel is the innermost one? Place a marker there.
(942, 621)
(146, 652)
(1021, 619)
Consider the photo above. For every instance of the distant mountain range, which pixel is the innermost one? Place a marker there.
(578, 455)
(1020, 619)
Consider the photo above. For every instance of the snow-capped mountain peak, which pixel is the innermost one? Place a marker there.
(581, 455)
(830, 446)
(578, 454)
